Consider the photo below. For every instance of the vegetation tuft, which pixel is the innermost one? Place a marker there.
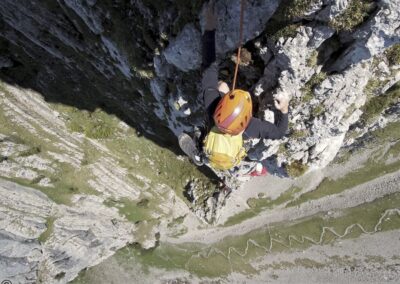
(96, 125)
(46, 234)
(285, 32)
(372, 87)
(317, 111)
(312, 61)
(133, 211)
(377, 104)
(298, 134)
(281, 23)
(393, 54)
(354, 15)
(308, 88)
(296, 169)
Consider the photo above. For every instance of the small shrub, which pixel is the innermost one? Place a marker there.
(297, 134)
(312, 61)
(252, 202)
(280, 25)
(291, 9)
(285, 32)
(354, 15)
(296, 169)
(393, 54)
(372, 86)
(318, 110)
(50, 227)
(143, 203)
(282, 149)
(308, 88)
(31, 151)
(96, 125)
(377, 104)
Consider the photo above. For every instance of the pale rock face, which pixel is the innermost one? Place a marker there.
(379, 33)
(297, 51)
(23, 214)
(83, 236)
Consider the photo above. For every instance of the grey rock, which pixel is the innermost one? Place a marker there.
(379, 33)
(256, 15)
(23, 214)
(184, 51)
(5, 62)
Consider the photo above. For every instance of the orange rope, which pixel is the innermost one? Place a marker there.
(240, 44)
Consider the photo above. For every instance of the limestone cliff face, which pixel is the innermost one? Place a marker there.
(140, 60)
(136, 57)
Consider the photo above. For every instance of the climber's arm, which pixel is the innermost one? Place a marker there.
(258, 128)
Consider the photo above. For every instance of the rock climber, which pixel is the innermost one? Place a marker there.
(229, 113)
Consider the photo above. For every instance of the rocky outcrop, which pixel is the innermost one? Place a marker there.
(23, 214)
(71, 213)
(326, 72)
(140, 60)
(86, 37)
(78, 236)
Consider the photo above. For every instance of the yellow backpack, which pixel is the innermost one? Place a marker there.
(224, 151)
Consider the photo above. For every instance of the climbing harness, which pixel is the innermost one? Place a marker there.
(239, 44)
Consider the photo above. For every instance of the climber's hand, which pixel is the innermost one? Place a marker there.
(282, 103)
(211, 16)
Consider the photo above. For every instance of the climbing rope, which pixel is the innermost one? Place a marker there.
(239, 44)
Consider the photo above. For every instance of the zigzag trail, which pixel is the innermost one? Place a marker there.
(367, 192)
(209, 252)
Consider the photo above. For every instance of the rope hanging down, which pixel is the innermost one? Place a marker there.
(239, 44)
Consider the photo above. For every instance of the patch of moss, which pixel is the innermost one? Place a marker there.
(285, 32)
(393, 54)
(298, 134)
(350, 110)
(291, 9)
(296, 169)
(308, 88)
(31, 151)
(375, 259)
(67, 180)
(46, 234)
(96, 125)
(133, 211)
(158, 164)
(312, 61)
(354, 15)
(282, 148)
(372, 87)
(177, 221)
(308, 263)
(281, 23)
(317, 111)
(377, 104)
